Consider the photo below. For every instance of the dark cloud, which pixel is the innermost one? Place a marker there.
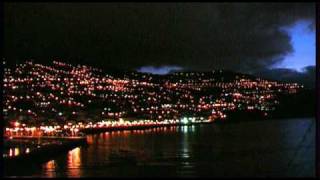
(198, 36)
(306, 77)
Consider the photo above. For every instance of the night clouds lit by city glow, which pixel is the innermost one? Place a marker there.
(159, 70)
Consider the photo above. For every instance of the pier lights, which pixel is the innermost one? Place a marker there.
(184, 120)
(193, 119)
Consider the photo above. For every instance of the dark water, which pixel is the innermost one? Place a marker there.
(266, 148)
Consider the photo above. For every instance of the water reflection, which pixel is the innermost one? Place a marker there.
(13, 152)
(185, 129)
(50, 168)
(74, 158)
(51, 165)
(69, 165)
(202, 150)
(185, 144)
(74, 162)
(146, 145)
(16, 151)
(10, 152)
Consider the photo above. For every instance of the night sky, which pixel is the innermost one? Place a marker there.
(263, 39)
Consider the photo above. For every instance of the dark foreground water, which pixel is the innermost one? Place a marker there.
(267, 148)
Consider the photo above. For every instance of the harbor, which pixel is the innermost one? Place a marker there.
(32, 150)
(40, 146)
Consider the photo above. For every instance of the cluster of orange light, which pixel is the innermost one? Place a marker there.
(49, 87)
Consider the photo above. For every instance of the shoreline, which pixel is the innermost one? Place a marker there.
(217, 121)
(235, 118)
(111, 129)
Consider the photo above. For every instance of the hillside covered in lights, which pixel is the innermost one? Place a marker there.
(62, 93)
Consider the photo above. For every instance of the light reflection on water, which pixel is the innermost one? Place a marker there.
(74, 158)
(11, 152)
(184, 151)
(145, 144)
(15, 151)
(73, 163)
(51, 167)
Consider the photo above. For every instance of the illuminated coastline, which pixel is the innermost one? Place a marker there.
(47, 100)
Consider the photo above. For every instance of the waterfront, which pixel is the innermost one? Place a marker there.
(266, 148)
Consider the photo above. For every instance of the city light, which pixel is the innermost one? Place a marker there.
(63, 94)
